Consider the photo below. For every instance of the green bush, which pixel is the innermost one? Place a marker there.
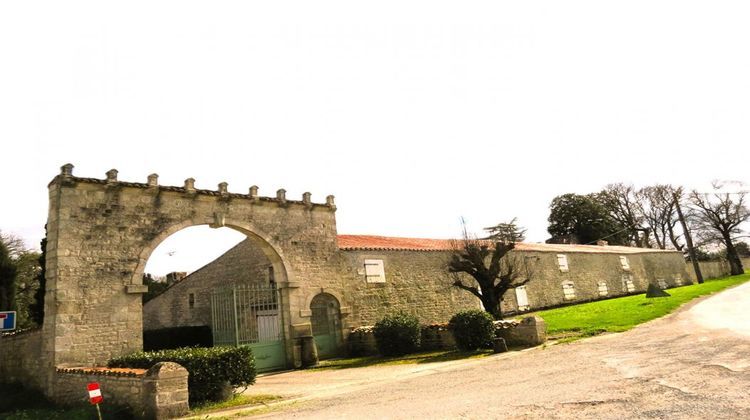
(472, 329)
(210, 368)
(397, 334)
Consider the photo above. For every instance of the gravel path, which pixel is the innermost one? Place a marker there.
(692, 364)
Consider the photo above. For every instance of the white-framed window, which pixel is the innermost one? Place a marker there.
(522, 299)
(569, 290)
(603, 289)
(624, 263)
(627, 283)
(662, 284)
(374, 271)
(562, 262)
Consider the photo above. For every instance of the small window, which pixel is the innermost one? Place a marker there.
(627, 283)
(374, 271)
(562, 262)
(624, 263)
(522, 299)
(603, 289)
(191, 300)
(569, 290)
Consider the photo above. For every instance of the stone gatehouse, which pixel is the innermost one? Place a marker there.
(101, 232)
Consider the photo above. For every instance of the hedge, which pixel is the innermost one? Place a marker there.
(472, 329)
(397, 334)
(177, 337)
(210, 369)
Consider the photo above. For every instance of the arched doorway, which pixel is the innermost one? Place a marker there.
(326, 324)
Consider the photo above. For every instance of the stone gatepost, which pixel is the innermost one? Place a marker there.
(165, 391)
(531, 331)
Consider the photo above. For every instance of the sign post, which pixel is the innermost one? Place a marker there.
(7, 320)
(95, 396)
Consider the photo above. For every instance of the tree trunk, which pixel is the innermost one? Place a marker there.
(491, 304)
(735, 263)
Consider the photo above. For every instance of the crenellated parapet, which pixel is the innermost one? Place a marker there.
(66, 177)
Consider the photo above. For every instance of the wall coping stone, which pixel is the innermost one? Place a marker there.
(102, 371)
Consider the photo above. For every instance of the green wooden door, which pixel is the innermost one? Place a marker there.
(326, 325)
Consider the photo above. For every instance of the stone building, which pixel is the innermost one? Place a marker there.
(377, 275)
(293, 277)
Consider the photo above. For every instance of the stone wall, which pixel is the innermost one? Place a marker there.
(21, 359)
(709, 269)
(160, 393)
(243, 264)
(589, 272)
(416, 282)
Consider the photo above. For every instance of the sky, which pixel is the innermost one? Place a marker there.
(412, 113)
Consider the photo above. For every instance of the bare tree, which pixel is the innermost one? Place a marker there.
(656, 207)
(492, 265)
(622, 203)
(718, 218)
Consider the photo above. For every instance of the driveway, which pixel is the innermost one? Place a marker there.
(692, 364)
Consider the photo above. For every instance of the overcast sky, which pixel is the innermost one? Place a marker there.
(412, 113)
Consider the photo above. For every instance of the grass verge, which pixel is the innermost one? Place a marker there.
(18, 403)
(236, 401)
(415, 358)
(571, 323)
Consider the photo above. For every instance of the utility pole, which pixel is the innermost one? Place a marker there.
(688, 239)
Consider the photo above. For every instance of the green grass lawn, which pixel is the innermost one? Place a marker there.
(615, 315)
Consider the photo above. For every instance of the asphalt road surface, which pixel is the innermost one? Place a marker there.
(692, 364)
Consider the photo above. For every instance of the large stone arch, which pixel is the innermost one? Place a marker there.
(102, 231)
(262, 240)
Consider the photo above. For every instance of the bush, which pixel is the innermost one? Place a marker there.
(397, 334)
(177, 337)
(472, 329)
(210, 369)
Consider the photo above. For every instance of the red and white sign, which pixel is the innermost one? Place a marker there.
(95, 394)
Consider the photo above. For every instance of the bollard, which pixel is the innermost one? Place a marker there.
(309, 351)
(499, 346)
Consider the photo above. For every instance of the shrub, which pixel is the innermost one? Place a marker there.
(210, 369)
(397, 334)
(177, 337)
(472, 329)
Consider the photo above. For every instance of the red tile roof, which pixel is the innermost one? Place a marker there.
(387, 243)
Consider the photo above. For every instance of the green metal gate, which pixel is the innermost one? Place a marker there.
(250, 315)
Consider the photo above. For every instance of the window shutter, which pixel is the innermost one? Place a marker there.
(374, 271)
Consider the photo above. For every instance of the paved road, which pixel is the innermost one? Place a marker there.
(692, 364)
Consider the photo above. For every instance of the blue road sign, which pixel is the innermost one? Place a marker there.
(7, 321)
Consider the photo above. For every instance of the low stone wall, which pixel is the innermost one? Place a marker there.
(159, 393)
(709, 269)
(21, 359)
(437, 337)
(530, 331)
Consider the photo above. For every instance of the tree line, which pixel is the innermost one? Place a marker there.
(649, 217)
(22, 280)
(659, 216)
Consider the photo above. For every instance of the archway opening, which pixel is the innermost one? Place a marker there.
(326, 324)
(219, 288)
